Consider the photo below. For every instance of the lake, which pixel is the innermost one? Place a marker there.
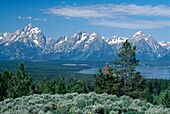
(53, 69)
(146, 71)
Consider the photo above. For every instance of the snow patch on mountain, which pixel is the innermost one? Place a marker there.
(36, 42)
(165, 44)
(82, 38)
(117, 40)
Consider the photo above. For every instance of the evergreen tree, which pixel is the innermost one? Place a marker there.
(23, 82)
(70, 85)
(81, 87)
(125, 66)
(166, 99)
(60, 87)
(132, 82)
(123, 79)
(6, 81)
(106, 82)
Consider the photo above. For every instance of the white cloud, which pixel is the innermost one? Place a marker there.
(76, 12)
(146, 10)
(136, 24)
(110, 10)
(122, 15)
(31, 18)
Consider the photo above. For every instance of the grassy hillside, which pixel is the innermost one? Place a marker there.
(73, 103)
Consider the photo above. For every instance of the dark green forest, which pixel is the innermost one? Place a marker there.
(121, 80)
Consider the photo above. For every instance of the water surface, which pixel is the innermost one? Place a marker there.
(146, 71)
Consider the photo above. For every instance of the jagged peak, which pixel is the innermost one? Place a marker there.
(61, 38)
(6, 33)
(79, 33)
(117, 40)
(28, 27)
(94, 34)
(32, 28)
(139, 33)
(30, 24)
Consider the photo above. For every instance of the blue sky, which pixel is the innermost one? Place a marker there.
(106, 17)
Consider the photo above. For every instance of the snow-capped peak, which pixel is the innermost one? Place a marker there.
(32, 44)
(105, 39)
(35, 30)
(30, 24)
(32, 29)
(79, 37)
(6, 34)
(139, 33)
(117, 40)
(94, 35)
(79, 34)
(29, 35)
(165, 44)
(146, 43)
(28, 27)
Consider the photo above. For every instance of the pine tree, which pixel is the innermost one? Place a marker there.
(6, 82)
(126, 64)
(23, 81)
(166, 99)
(60, 88)
(123, 79)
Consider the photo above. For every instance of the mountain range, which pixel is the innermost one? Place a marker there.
(31, 44)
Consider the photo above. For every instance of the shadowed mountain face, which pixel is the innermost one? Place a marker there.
(30, 43)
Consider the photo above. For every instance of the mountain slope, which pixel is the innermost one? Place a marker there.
(82, 46)
(30, 43)
(165, 44)
(146, 47)
(23, 44)
(26, 43)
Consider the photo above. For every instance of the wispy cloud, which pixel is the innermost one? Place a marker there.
(122, 15)
(31, 18)
(136, 24)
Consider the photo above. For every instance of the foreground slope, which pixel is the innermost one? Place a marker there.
(74, 103)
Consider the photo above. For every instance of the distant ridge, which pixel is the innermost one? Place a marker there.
(30, 43)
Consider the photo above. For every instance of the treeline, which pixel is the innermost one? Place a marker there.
(158, 91)
(17, 84)
(20, 83)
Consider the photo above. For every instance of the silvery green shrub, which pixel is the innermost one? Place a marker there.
(74, 103)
